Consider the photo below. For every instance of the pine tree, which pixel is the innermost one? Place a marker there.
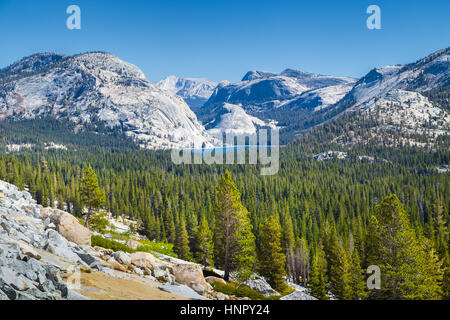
(357, 282)
(409, 266)
(234, 240)
(317, 277)
(204, 244)
(91, 194)
(182, 242)
(272, 260)
(169, 226)
(301, 261)
(341, 274)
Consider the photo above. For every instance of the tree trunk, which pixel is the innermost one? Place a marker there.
(227, 247)
(88, 216)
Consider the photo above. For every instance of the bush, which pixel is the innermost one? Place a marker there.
(160, 247)
(99, 222)
(147, 246)
(110, 244)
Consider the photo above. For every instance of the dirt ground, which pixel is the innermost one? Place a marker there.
(99, 286)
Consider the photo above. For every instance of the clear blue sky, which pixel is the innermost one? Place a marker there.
(220, 39)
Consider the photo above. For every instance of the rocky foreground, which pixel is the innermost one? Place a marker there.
(46, 254)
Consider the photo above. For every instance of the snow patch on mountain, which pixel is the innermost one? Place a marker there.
(193, 90)
(409, 111)
(234, 120)
(432, 72)
(100, 86)
(320, 99)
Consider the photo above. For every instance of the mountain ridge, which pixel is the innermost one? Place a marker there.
(98, 85)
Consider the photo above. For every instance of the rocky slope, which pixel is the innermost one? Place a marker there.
(98, 89)
(260, 90)
(232, 119)
(45, 254)
(397, 97)
(392, 105)
(194, 91)
(280, 98)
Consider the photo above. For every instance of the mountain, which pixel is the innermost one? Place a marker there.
(278, 98)
(232, 119)
(195, 92)
(298, 101)
(261, 90)
(98, 90)
(430, 73)
(400, 105)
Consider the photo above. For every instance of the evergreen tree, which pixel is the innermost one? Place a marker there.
(357, 281)
(341, 274)
(272, 260)
(317, 277)
(182, 242)
(409, 267)
(234, 240)
(204, 244)
(91, 194)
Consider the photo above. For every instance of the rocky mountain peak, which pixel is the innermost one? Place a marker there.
(98, 85)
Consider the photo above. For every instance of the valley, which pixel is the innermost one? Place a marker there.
(90, 136)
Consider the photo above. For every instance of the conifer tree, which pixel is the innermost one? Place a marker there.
(302, 265)
(182, 242)
(341, 273)
(204, 244)
(272, 260)
(357, 282)
(234, 240)
(91, 194)
(409, 266)
(317, 276)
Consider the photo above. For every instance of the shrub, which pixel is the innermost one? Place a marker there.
(160, 247)
(99, 222)
(110, 244)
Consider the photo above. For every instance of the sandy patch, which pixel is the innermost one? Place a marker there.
(99, 286)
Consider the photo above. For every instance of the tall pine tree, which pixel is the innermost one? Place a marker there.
(272, 260)
(234, 240)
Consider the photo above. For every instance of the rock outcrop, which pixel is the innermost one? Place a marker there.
(68, 226)
(143, 260)
(190, 275)
(298, 295)
(133, 244)
(31, 258)
(260, 285)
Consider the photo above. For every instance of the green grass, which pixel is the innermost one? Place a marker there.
(110, 244)
(160, 247)
(232, 289)
(120, 236)
(147, 246)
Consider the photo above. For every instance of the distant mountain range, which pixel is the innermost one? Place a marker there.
(101, 90)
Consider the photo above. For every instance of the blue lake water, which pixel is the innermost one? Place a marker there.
(226, 149)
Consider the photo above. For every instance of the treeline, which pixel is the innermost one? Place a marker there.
(323, 212)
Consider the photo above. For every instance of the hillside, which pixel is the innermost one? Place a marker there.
(97, 92)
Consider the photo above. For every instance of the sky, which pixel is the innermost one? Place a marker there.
(222, 40)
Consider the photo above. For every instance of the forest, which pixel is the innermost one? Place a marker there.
(320, 224)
